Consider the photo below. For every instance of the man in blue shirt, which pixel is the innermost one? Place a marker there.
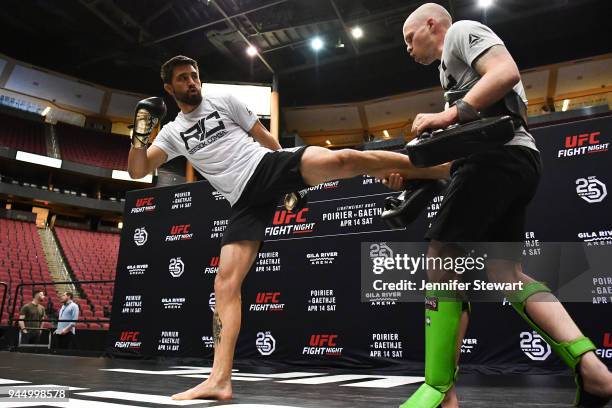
(64, 334)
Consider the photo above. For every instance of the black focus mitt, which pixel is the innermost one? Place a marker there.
(403, 209)
(457, 141)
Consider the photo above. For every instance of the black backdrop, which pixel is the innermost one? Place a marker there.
(301, 301)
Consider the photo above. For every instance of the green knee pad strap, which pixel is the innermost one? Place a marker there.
(570, 351)
(442, 316)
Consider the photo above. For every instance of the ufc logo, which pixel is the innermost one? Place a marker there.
(214, 261)
(141, 202)
(607, 340)
(267, 297)
(129, 336)
(285, 217)
(322, 340)
(582, 139)
(180, 229)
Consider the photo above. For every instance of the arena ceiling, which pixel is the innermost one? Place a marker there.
(121, 43)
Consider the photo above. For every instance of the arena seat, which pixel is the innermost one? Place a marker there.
(22, 134)
(22, 260)
(91, 256)
(93, 148)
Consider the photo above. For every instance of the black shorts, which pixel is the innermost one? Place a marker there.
(487, 198)
(277, 173)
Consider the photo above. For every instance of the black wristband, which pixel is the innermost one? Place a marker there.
(466, 112)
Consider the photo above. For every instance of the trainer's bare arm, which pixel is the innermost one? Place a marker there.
(264, 137)
(143, 161)
(498, 75)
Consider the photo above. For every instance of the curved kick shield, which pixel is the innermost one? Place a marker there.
(441, 146)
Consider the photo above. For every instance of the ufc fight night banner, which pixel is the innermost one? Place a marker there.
(302, 300)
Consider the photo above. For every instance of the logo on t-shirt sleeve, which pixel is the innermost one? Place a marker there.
(474, 39)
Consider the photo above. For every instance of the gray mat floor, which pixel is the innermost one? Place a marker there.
(146, 383)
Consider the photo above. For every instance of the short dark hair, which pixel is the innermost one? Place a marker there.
(69, 294)
(167, 69)
(37, 291)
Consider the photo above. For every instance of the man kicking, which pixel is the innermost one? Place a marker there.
(486, 202)
(228, 145)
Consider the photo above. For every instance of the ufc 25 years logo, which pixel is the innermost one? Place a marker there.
(534, 346)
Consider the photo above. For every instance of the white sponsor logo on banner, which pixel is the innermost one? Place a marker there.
(172, 303)
(322, 258)
(386, 345)
(176, 267)
(212, 302)
(209, 342)
(434, 206)
(534, 346)
(321, 300)
(181, 200)
(137, 269)
(265, 343)
(218, 228)
(217, 195)
(354, 215)
(140, 236)
(596, 238)
(468, 345)
(268, 262)
(169, 341)
(132, 304)
(532, 245)
(591, 190)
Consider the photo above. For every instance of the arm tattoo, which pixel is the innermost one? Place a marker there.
(217, 328)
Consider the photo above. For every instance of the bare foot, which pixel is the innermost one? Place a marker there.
(207, 390)
(596, 377)
(451, 400)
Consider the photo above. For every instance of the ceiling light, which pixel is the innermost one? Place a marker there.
(566, 103)
(357, 32)
(328, 142)
(485, 3)
(251, 51)
(46, 111)
(386, 133)
(316, 43)
(119, 225)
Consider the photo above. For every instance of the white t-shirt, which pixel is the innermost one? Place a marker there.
(465, 41)
(214, 138)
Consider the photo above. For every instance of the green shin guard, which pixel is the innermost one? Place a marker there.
(570, 352)
(442, 316)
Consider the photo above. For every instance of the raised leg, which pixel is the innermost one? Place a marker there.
(319, 165)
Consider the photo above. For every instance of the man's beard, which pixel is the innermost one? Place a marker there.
(189, 98)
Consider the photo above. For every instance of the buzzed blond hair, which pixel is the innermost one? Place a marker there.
(429, 10)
